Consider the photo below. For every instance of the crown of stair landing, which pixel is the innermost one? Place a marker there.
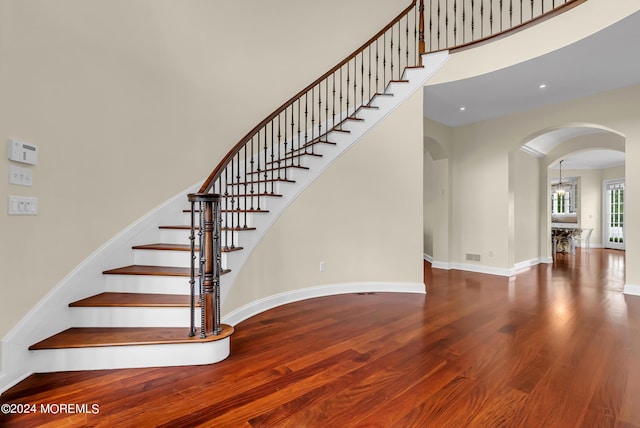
(131, 347)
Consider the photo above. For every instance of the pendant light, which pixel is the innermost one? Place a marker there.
(560, 186)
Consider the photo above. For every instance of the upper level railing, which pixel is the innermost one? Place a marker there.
(452, 24)
(275, 146)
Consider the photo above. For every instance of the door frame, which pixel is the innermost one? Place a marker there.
(605, 216)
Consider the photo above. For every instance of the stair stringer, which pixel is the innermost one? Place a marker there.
(401, 91)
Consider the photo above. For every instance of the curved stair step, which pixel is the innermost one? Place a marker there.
(111, 299)
(88, 337)
(153, 270)
(177, 247)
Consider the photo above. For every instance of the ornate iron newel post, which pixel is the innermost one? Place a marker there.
(208, 254)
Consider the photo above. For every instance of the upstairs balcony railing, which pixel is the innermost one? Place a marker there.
(275, 146)
(453, 24)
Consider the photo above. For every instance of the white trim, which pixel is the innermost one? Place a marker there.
(491, 270)
(428, 258)
(258, 306)
(532, 151)
(632, 289)
(528, 263)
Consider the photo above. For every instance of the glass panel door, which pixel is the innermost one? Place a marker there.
(614, 214)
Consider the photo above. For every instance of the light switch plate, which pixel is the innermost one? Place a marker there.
(20, 176)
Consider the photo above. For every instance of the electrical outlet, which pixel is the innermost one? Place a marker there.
(323, 266)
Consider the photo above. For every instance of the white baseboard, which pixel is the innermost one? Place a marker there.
(238, 315)
(428, 258)
(632, 289)
(490, 270)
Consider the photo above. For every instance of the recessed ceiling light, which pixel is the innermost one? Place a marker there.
(542, 85)
(463, 108)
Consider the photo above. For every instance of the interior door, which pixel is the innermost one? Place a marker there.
(613, 228)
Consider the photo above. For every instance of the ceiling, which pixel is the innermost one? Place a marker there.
(598, 63)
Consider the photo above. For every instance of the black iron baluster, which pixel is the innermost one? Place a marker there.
(438, 21)
(531, 1)
(247, 199)
(250, 177)
(490, 18)
(265, 173)
(455, 22)
(333, 100)
(369, 76)
(406, 59)
(510, 13)
(377, 68)
(280, 170)
(399, 51)
(313, 117)
(273, 160)
(326, 105)
(306, 123)
(481, 19)
(320, 109)
(355, 84)
(340, 99)
(347, 91)
(362, 78)
(390, 56)
(384, 62)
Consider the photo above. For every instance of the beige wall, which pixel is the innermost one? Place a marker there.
(362, 217)
(132, 101)
(524, 184)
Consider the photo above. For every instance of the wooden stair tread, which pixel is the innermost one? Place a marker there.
(134, 300)
(176, 247)
(245, 211)
(88, 337)
(276, 168)
(270, 180)
(186, 227)
(153, 271)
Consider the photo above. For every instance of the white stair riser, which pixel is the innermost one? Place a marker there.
(151, 284)
(116, 357)
(181, 236)
(147, 284)
(167, 258)
(133, 317)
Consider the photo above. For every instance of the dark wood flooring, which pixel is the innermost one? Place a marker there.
(555, 346)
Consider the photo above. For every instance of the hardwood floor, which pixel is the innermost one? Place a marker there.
(555, 346)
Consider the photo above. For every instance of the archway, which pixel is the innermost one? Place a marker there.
(576, 142)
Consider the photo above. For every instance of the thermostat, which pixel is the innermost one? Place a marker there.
(21, 152)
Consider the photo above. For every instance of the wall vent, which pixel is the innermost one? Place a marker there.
(473, 257)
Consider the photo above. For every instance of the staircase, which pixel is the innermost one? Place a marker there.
(142, 317)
